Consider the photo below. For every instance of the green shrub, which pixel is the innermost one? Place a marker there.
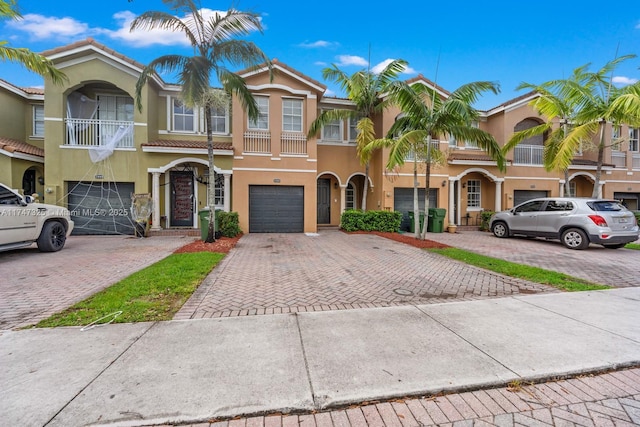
(228, 223)
(637, 214)
(355, 220)
(485, 216)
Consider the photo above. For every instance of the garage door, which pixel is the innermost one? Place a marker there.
(403, 202)
(521, 196)
(101, 208)
(276, 209)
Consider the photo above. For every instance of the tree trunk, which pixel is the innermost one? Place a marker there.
(596, 184)
(423, 234)
(365, 187)
(416, 200)
(211, 184)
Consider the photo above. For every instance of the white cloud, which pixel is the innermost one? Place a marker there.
(141, 38)
(329, 92)
(41, 27)
(624, 80)
(318, 44)
(379, 67)
(351, 60)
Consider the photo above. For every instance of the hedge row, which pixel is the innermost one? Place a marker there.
(355, 220)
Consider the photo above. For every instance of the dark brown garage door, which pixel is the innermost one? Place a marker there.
(276, 209)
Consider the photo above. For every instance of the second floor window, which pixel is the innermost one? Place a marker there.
(473, 193)
(219, 120)
(332, 131)
(615, 137)
(183, 117)
(262, 122)
(38, 120)
(633, 139)
(292, 115)
(353, 129)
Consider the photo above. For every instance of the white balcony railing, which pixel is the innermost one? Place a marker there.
(257, 142)
(93, 132)
(619, 159)
(411, 155)
(636, 161)
(293, 143)
(527, 155)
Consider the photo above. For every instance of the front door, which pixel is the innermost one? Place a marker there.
(324, 201)
(182, 199)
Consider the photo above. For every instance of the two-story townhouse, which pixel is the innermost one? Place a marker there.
(22, 138)
(267, 170)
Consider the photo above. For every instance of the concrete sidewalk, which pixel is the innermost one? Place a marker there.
(191, 371)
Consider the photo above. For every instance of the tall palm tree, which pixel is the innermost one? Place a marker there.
(215, 47)
(364, 88)
(425, 115)
(30, 60)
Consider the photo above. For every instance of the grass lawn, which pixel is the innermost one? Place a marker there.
(635, 246)
(154, 293)
(532, 274)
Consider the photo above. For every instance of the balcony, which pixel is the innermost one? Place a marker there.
(619, 159)
(527, 154)
(95, 133)
(293, 143)
(257, 142)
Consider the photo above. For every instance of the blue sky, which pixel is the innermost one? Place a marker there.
(453, 43)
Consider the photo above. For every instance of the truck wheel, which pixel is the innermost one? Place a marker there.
(52, 237)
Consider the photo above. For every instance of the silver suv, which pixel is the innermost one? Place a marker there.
(576, 221)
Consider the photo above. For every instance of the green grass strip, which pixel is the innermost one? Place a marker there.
(635, 246)
(532, 274)
(154, 293)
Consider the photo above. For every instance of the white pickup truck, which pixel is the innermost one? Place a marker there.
(23, 222)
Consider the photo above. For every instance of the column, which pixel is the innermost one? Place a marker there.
(343, 198)
(562, 188)
(452, 202)
(498, 196)
(227, 192)
(600, 185)
(155, 215)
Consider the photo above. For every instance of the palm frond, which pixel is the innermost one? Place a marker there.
(33, 62)
(234, 84)
(366, 134)
(571, 143)
(161, 20)
(522, 135)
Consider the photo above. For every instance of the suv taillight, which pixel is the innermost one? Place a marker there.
(598, 220)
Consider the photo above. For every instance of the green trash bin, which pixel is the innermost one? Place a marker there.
(412, 226)
(436, 220)
(204, 223)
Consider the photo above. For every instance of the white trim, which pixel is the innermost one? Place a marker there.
(22, 156)
(473, 162)
(304, 93)
(88, 147)
(175, 162)
(312, 160)
(296, 156)
(592, 177)
(238, 157)
(256, 154)
(329, 101)
(485, 172)
(275, 170)
(336, 143)
(176, 150)
(18, 91)
(530, 178)
(53, 119)
(276, 158)
(278, 67)
(623, 181)
(114, 62)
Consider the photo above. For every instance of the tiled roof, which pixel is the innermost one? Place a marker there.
(420, 77)
(458, 155)
(33, 90)
(15, 146)
(585, 162)
(515, 100)
(91, 42)
(286, 67)
(217, 145)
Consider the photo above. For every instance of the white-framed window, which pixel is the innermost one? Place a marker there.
(38, 120)
(115, 107)
(453, 142)
(292, 115)
(332, 131)
(219, 120)
(218, 189)
(353, 128)
(633, 139)
(616, 132)
(350, 197)
(473, 193)
(472, 145)
(183, 117)
(572, 189)
(262, 122)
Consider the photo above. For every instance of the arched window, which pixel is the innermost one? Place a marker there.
(528, 124)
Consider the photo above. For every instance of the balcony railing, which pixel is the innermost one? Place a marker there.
(257, 142)
(636, 161)
(293, 143)
(411, 155)
(527, 155)
(619, 159)
(93, 132)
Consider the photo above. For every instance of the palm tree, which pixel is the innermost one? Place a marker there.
(584, 103)
(214, 45)
(31, 61)
(364, 88)
(426, 115)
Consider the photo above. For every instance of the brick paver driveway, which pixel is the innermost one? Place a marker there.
(281, 273)
(617, 268)
(34, 285)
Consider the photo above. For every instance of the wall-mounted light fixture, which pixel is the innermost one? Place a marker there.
(41, 180)
(335, 185)
(464, 185)
(444, 183)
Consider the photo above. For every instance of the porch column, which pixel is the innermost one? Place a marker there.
(343, 199)
(155, 215)
(498, 196)
(227, 192)
(600, 185)
(452, 202)
(562, 187)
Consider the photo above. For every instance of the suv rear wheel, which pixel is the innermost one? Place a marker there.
(500, 229)
(574, 238)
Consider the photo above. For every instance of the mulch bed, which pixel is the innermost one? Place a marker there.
(221, 245)
(225, 244)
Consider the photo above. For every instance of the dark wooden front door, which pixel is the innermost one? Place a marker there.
(182, 199)
(324, 201)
